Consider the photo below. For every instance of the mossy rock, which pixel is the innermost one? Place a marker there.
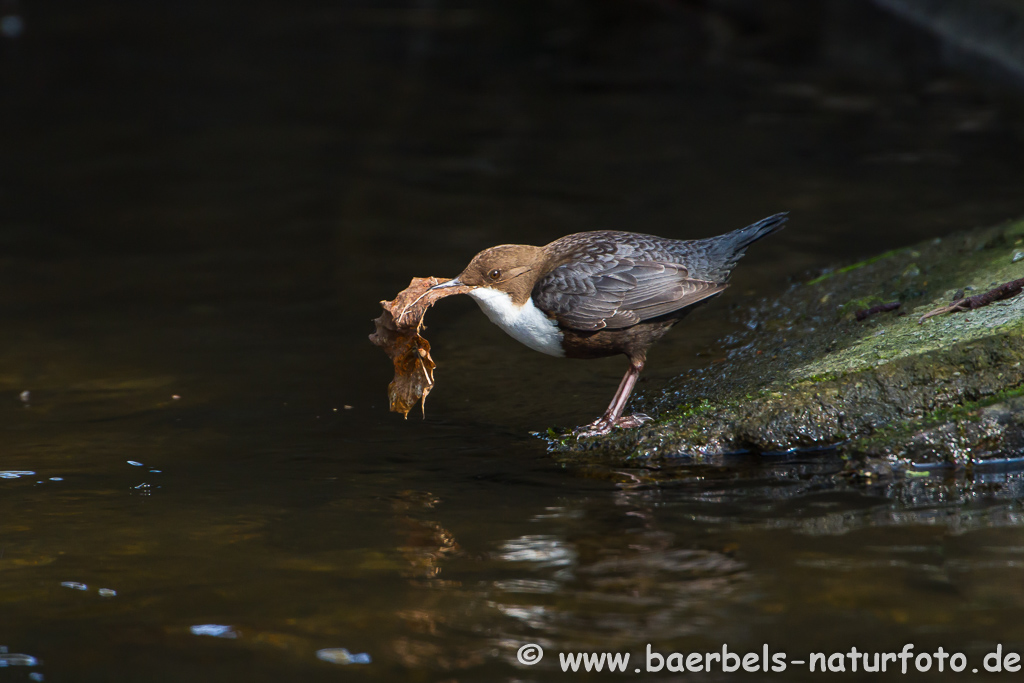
(805, 373)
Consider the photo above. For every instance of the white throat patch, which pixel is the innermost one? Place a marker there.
(526, 323)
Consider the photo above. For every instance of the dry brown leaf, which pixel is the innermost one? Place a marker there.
(398, 333)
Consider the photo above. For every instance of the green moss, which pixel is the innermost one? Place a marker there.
(855, 266)
(860, 304)
(690, 410)
(557, 438)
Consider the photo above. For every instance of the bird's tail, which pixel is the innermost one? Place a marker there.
(725, 250)
(739, 240)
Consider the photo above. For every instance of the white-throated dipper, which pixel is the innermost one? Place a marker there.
(602, 293)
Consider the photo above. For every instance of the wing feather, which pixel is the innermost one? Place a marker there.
(605, 289)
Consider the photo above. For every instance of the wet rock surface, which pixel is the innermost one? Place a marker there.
(890, 392)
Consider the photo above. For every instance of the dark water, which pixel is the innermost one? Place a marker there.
(202, 205)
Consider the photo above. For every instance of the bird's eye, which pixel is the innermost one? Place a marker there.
(494, 274)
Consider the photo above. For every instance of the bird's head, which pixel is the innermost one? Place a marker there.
(509, 268)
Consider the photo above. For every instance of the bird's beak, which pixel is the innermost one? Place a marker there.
(454, 282)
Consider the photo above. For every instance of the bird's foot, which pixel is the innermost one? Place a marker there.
(631, 421)
(603, 425)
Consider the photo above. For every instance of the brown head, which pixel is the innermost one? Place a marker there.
(510, 268)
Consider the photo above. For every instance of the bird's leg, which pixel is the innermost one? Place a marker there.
(613, 416)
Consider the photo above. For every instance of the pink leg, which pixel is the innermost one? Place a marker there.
(613, 416)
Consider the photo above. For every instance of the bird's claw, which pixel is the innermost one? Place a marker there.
(631, 421)
(603, 425)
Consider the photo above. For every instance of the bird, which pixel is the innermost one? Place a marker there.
(603, 293)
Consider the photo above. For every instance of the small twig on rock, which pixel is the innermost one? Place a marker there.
(1004, 291)
(866, 313)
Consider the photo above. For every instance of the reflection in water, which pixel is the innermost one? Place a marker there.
(545, 551)
(425, 543)
(690, 572)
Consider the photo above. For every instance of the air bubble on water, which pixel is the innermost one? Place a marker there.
(339, 655)
(15, 474)
(16, 659)
(215, 630)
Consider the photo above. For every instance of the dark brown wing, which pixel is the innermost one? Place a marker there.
(608, 290)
